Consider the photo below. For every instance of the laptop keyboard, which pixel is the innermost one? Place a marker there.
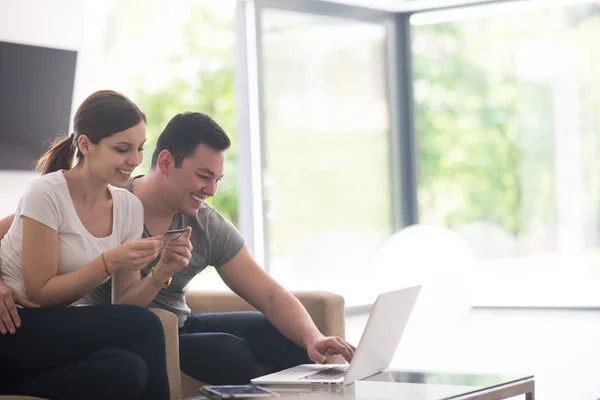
(330, 373)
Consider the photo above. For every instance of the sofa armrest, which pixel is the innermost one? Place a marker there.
(325, 308)
(171, 328)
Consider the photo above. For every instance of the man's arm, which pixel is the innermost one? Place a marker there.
(129, 288)
(5, 224)
(245, 277)
(9, 316)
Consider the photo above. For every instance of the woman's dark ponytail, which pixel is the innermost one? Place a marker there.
(60, 156)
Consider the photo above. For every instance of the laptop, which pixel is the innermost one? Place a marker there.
(374, 352)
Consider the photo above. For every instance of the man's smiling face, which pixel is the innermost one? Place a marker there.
(195, 179)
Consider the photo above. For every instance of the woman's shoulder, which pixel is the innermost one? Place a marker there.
(45, 200)
(52, 182)
(129, 213)
(52, 178)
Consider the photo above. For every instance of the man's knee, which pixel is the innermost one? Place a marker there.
(217, 358)
(284, 352)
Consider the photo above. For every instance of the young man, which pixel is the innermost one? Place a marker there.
(220, 348)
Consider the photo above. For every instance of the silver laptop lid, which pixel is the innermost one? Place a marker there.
(382, 333)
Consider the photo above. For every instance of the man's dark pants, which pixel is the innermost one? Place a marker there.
(224, 348)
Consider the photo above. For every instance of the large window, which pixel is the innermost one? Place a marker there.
(507, 112)
(507, 127)
(326, 150)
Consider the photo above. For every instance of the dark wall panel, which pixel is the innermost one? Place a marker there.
(36, 92)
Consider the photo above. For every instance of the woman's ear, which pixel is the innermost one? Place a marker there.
(84, 145)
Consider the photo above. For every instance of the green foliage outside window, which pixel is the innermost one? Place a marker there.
(195, 72)
(485, 135)
(486, 130)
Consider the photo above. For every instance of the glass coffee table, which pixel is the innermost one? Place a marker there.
(419, 385)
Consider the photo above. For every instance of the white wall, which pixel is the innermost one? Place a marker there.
(13, 185)
(48, 23)
(55, 23)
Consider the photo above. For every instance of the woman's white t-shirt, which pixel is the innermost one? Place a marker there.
(48, 201)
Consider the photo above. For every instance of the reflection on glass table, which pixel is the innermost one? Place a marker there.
(419, 385)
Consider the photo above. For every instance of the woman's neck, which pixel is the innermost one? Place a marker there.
(85, 188)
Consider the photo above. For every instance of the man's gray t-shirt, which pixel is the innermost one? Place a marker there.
(215, 240)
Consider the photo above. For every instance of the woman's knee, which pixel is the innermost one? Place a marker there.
(109, 373)
(141, 320)
(140, 315)
(124, 372)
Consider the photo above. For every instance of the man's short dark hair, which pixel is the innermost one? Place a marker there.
(185, 132)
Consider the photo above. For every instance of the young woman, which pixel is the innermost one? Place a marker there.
(75, 228)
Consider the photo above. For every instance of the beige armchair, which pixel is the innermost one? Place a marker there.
(326, 310)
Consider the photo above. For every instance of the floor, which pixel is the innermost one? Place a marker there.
(560, 347)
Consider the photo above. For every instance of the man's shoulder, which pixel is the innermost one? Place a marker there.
(207, 209)
(207, 216)
(129, 186)
(209, 225)
(123, 195)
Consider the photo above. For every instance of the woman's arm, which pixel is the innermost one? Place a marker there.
(39, 254)
(128, 288)
(5, 224)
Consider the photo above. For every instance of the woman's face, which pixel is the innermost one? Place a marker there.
(114, 158)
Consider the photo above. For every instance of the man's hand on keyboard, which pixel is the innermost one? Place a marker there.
(322, 347)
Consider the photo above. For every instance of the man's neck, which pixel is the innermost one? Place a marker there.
(158, 216)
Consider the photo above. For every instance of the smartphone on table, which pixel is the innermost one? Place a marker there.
(236, 391)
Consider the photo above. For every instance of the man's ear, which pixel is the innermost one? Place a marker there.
(165, 162)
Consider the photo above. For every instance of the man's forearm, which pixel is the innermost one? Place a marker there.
(144, 291)
(139, 294)
(290, 317)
